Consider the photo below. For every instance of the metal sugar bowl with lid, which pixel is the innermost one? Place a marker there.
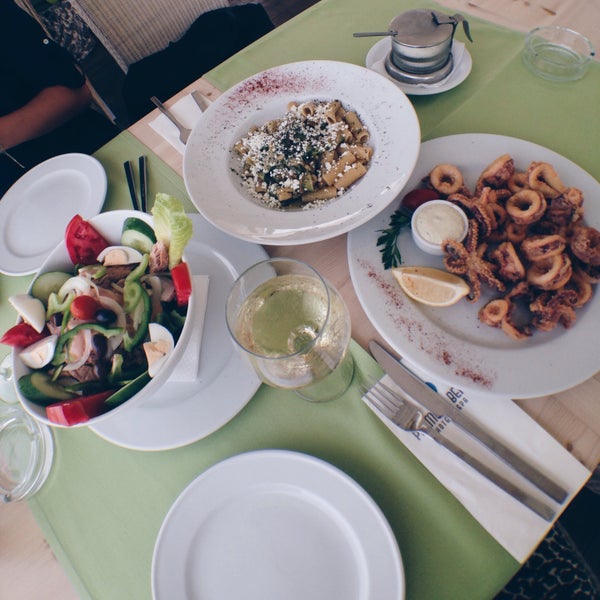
(421, 49)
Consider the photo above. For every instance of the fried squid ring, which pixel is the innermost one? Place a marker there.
(510, 266)
(585, 245)
(517, 182)
(588, 272)
(542, 177)
(583, 288)
(566, 209)
(515, 233)
(516, 333)
(539, 247)
(526, 207)
(497, 173)
(494, 312)
(446, 179)
(550, 273)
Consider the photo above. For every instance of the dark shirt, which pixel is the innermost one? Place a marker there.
(30, 62)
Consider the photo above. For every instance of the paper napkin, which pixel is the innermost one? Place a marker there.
(187, 112)
(187, 367)
(518, 529)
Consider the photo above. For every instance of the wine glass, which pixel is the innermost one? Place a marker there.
(294, 327)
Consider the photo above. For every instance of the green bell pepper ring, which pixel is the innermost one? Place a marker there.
(141, 313)
(139, 270)
(60, 356)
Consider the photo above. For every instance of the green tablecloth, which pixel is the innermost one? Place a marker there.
(103, 505)
(499, 96)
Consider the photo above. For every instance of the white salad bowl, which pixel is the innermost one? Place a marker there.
(109, 225)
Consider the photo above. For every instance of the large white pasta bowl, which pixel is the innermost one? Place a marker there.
(211, 166)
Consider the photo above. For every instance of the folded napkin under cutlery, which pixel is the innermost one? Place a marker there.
(187, 112)
(511, 522)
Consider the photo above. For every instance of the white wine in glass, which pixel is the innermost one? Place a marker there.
(294, 327)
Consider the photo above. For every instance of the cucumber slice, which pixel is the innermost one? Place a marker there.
(127, 391)
(47, 283)
(39, 388)
(138, 234)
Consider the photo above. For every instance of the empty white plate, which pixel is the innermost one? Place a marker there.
(37, 208)
(274, 524)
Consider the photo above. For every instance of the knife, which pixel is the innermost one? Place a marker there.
(418, 391)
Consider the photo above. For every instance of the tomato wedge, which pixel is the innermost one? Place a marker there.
(415, 198)
(182, 282)
(84, 307)
(78, 410)
(21, 335)
(83, 241)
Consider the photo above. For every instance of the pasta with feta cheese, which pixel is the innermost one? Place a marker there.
(312, 154)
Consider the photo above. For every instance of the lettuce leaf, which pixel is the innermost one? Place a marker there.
(171, 225)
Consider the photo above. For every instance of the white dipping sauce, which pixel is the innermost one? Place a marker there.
(438, 221)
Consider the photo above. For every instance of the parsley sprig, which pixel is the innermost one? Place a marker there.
(390, 254)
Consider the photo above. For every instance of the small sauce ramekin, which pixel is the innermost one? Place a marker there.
(436, 221)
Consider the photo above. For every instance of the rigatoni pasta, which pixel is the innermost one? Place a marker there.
(312, 154)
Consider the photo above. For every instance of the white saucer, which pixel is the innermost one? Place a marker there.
(182, 412)
(274, 524)
(376, 61)
(36, 209)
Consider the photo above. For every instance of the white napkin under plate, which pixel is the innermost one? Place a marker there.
(187, 367)
(187, 112)
(517, 528)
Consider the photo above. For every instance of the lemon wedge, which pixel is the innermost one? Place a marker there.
(430, 286)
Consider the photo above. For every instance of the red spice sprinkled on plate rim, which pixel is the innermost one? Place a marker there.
(271, 83)
(415, 333)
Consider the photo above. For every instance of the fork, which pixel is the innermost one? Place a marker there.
(184, 132)
(410, 417)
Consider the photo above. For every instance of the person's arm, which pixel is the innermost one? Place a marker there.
(52, 107)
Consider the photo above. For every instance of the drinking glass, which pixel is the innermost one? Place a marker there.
(26, 445)
(294, 327)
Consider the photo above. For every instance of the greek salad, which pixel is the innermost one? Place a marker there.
(94, 335)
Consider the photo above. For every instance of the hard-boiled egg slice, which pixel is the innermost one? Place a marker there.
(119, 255)
(30, 309)
(159, 347)
(40, 353)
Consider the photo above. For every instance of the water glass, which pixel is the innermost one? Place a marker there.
(26, 445)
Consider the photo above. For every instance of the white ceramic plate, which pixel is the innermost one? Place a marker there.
(180, 413)
(36, 209)
(276, 524)
(376, 61)
(209, 163)
(451, 343)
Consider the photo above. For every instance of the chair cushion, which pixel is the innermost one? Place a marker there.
(213, 37)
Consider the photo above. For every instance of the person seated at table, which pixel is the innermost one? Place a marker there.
(45, 103)
(213, 37)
